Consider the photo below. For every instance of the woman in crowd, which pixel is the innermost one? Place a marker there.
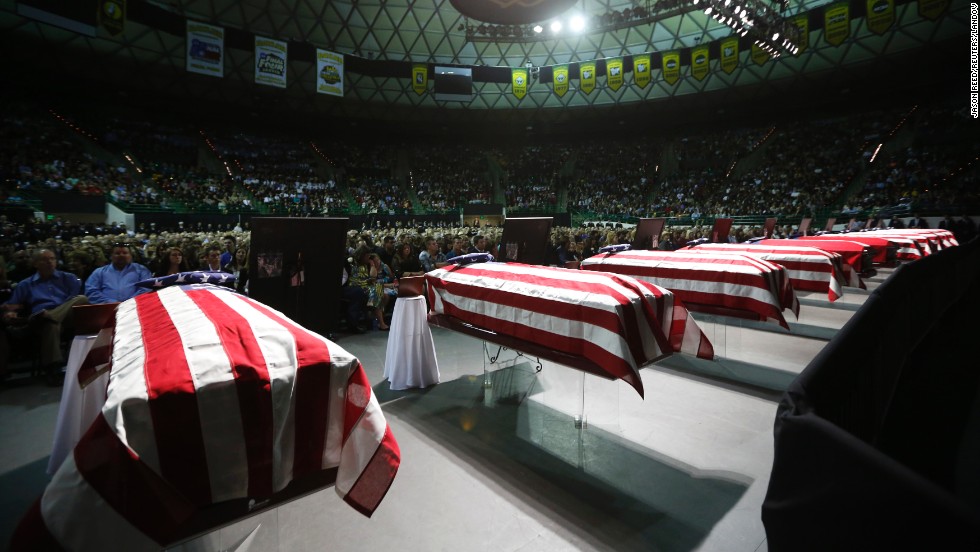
(405, 263)
(239, 267)
(367, 275)
(172, 263)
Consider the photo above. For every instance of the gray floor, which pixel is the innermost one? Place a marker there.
(504, 468)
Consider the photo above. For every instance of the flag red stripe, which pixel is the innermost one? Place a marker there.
(373, 483)
(357, 397)
(251, 384)
(312, 403)
(173, 403)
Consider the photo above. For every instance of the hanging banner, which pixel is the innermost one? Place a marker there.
(932, 9)
(641, 70)
(759, 56)
(699, 62)
(561, 80)
(803, 24)
(729, 54)
(671, 66)
(205, 49)
(420, 78)
(586, 71)
(112, 16)
(330, 73)
(837, 24)
(518, 79)
(614, 73)
(881, 15)
(270, 62)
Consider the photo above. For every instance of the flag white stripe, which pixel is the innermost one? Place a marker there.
(361, 445)
(127, 407)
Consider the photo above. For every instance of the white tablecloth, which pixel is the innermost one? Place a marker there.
(411, 357)
(79, 407)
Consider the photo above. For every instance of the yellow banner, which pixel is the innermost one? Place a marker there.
(586, 72)
(518, 79)
(112, 16)
(759, 56)
(641, 70)
(699, 62)
(803, 24)
(614, 73)
(881, 15)
(932, 9)
(420, 78)
(729, 54)
(671, 66)
(837, 24)
(561, 80)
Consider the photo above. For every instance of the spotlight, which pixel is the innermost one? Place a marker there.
(538, 29)
(775, 36)
(707, 11)
(556, 26)
(577, 23)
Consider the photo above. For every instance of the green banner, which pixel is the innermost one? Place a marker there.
(699, 62)
(641, 70)
(586, 76)
(671, 66)
(729, 54)
(881, 15)
(837, 24)
(614, 73)
(759, 56)
(518, 79)
(803, 24)
(932, 9)
(561, 80)
(420, 78)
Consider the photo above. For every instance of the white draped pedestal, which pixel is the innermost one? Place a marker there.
(79, 407)
(411, 357)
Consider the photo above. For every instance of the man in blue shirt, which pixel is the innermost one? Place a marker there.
(116, 282)
(431, 258)
(47, 298)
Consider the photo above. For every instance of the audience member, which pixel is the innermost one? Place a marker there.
(116, 281)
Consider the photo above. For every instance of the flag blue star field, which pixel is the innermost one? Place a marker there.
(187, 278)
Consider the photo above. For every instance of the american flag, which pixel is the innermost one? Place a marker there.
(808, 268)
(905, 248)
(214, 397)
(617, 322)
(855, 255)
(733, 284)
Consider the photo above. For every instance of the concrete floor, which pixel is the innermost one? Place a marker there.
(504, 467)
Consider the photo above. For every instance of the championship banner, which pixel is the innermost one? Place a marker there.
(759, 56)
(112, 16)
(586, 71)
(270, 62)
(420, 78)
(561, 80)
(837, 24)
(205, 49)
(803, 24)
(671, 66)
(518, 78)
(880, 15)
(641, 70)
(729, 54)
(614, 72)
(699, 62)
(330, 72)
(932, 9)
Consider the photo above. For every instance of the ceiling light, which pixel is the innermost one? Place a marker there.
(577, 23)
(538, 29)
(556, 26)
(707, 10)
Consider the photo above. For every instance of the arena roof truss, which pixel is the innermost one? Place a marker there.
(379, 37)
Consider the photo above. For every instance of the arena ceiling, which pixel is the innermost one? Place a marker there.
(149, 53)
